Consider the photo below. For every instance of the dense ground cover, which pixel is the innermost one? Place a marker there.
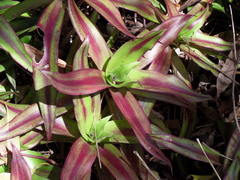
(115, 89)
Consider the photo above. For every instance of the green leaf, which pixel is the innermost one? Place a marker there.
(22, 7)
(132, 50)
(10, 42)
(211, 42)
(118, 131)
(199, 58)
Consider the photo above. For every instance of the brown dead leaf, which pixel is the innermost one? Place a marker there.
(37, 55)
(228, 68)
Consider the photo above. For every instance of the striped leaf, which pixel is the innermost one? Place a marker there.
(142, 7)
(10, 42)
(139, 122)
(98, 49)
(118, 168)
(19, 167)
(51, 23)
(80, 82)
(157, 82)
(79, 161)
(186, 147)
(110, 13)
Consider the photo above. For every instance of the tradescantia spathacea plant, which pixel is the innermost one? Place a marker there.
(129, 81)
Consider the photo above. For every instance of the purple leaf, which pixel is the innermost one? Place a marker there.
(80, 82)
(110, 13)
(19, 167)
(174, 26)
(51, 23)
(151, 81)
(171, 8)
(79, 161)
(26, 120)
(134, 114)
(98, 49)
(118, 168)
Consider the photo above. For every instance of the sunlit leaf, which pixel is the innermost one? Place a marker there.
(98, 49)
(81, 82)
(79, 161)
(134, 114)
(211, 42)
(132, 50)
(119, 131)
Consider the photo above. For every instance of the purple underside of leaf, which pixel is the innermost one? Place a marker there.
(98, 48)
(130, 108)
(118, 168)
(110, 13)
(19, 167)
(162, 83)
(187, 148)
(80, 82)
(79, 160)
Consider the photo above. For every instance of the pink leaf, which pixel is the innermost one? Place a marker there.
(132, 111)
(19, 167)
(118, 168)
(111, 13)
(79, 161)
(80, 82)
(83, 26)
